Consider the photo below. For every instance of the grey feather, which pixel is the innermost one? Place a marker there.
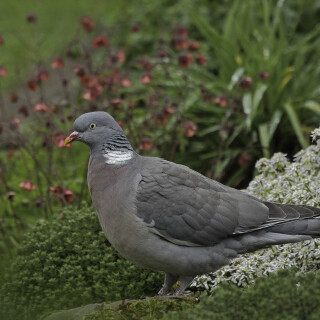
(164, 216)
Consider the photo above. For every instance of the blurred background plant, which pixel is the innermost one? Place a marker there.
(212, 85)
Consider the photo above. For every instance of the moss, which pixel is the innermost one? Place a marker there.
(282, 296)
(146, 309)
(67, 262)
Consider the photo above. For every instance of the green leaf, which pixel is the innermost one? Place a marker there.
(264, 139)
(293, 117)
(313, 106)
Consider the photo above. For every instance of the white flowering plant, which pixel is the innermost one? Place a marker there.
(278, 180)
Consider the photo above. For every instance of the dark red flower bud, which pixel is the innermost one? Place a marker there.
(244, 159)
(43, 75)
(185, 59)
(14, 124)
(200, 59)
(31, 17)
(264, 75)
(189, 128)
(57, 63)
(24, 110)
(145, 144)
(245, 83)
(193, 46)
(13, 97)
(221, 101)
(135, 28)
(100, 41)
(87, 23)
(79, 71)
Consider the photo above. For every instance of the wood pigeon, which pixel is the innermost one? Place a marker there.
(164, 216)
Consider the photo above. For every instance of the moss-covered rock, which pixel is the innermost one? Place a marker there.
(146, 309)
(67, 262)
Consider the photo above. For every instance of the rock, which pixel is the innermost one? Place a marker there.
(155, 308)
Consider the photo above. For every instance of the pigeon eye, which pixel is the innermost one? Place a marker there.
(92, 126)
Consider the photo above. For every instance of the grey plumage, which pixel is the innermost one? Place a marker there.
(165, 216)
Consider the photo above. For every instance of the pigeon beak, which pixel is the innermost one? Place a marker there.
(73, 136)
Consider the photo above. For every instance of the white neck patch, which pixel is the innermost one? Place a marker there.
(118, 157)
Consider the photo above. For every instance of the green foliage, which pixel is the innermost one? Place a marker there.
(67, 262)
(282, 296)
(267, 42)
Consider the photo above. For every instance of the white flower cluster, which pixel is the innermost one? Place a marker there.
(282, 181)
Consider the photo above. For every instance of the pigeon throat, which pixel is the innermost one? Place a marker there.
(117, 150)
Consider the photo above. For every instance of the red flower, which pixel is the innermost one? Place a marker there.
(119, 56)
(10, 154)
(3, 72)
(89, 81)
(145, 64)
(126, 82)
(200, 59)
(244, 159)
(68, 195)
(146, 78)
(145, 144)
(180, 32)
(13, 97)
(193, 46)
(100, 41)
(221, 101)
(93, 93)
(163, 118)
(40, 107)
(62, 194)
(24, 110)
(189, 128)
(14, 124)
(245, 83)
(135, 28)
(79, 71)
(180, 35)
(163, 54)
(87, 23)
(1, 129)
(27, 185)
(116, 102)
(57, 63)
(120, 124)
(168, 110)
(43, 75)
(31, 17)
(1, 41)
(32, 85)
(264, 75)
(185, 60)
(58, 138)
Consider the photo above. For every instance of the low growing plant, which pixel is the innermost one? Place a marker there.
(279, 180)
(66, 262)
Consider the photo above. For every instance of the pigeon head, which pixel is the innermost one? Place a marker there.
(96, 129)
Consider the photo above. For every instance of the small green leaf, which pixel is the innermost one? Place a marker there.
(296, 124)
